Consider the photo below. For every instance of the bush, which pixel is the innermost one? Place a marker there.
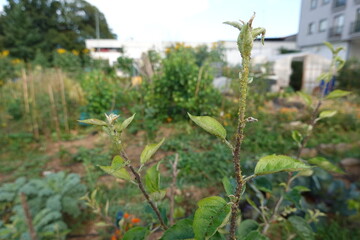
(349, 76)
(9, 67)
(100, 92)
(68, 61)
(50, 200)
(182, 86)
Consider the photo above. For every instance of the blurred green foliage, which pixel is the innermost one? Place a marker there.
(183, 86)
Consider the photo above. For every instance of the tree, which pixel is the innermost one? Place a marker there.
(28, 26)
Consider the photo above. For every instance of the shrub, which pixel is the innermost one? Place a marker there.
(68, 61)
(349, 76)
(50, 200)
(182, 86)
(100, 92)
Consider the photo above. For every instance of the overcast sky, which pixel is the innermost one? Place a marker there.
(195, 20)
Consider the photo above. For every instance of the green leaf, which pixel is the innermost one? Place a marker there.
(136, 233)
(117, 162)
(126, 123)
(324, 76)
(149, 151)
(119, 173)
(326, 114)
(117, 168)
(263, 184)
(229, 185)
(306, 97)
(337, 94)
(302, 228)
(278, 163)
(338, 50)
(96, 122)
(210, 125)
(251, 202)
(218, 236)
(152, 179)
(234, 24)
(255, 235)
(212, 214)
(246, 227)
(296, 135)
(340, 63)
(301, 189)
(293, 196)
(305, 173)
(330, 46)
(180, 231)
(325, 164)
(158, 195)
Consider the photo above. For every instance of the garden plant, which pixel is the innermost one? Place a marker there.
(266, 166)
(217, 217)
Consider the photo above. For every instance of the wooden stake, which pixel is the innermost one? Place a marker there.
(63, 100)
(34, 108)
(28, 216)
(54, 112)
(25, 90)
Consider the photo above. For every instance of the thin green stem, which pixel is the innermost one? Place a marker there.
(245, 44)
(238, 142)
(144, 192)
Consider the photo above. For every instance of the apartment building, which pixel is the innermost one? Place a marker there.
(335, 21)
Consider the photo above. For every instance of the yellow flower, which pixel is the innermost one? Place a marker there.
(179, 45)
(136, 80)
(5, 53)
(60, 51)
(15, 61)
(214, 45)
(85, 50)
(75, 52)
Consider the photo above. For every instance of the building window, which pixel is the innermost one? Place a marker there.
(325, 2)
(338, 25)
(313, 4)
(356, 27)
(311, 28)
(322, 25)
(340, 3)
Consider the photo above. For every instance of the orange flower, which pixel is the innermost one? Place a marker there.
(113, 237)
(135, 220)
(126, 215)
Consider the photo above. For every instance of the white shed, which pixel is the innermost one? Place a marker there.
(282, 68)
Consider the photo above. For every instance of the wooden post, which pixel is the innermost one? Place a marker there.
(54, 112)
(28, 219)
(34, 108)
(25, 90)
(63, 100)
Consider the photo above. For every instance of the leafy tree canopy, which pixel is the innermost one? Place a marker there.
(28, 27)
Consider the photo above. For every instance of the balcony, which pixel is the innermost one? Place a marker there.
(355, 27)
(335, 32)
(338, 5)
